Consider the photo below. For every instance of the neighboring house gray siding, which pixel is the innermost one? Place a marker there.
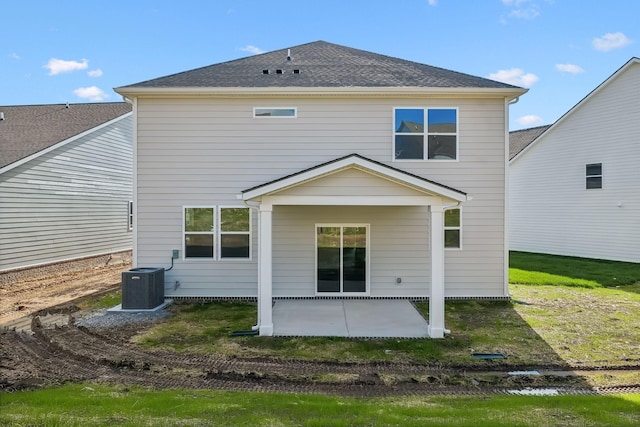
(70, 199)
(551, 211)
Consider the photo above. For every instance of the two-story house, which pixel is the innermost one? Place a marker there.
(322, 171)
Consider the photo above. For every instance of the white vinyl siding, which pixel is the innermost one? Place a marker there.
(70, 202)
(199, 150)
(550, 210)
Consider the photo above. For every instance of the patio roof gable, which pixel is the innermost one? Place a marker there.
(355, 161)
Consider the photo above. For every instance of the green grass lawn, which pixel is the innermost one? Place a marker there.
(86, 405)
(542, 269)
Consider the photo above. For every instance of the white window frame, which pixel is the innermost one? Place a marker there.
(295, 113)
(425, 134)
(459, 228)
(212, 232)
(367, 283)
(220, 233)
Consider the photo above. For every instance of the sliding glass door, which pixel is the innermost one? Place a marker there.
(341, 258)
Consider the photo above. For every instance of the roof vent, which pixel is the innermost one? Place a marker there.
(296, 71)
(278, 71)
(1, 115)
(288, 54)
(265, 71)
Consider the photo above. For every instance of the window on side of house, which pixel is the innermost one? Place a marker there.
(235, 233)
(439, 141)
(199, 232)
(452, 229)
(259, 112)
(130, 216)
(594, 175)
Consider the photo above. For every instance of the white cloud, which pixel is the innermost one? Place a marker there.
(92, 93)
(515, 76)
(14, 56)
(611, 41)
(252, 49)
(57, 66)
(528, 13)
(432, 2)
(522, 9)
(569, 68)
(95, 73)
(530, 120)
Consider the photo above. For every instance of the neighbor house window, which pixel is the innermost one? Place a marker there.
(275, 112)
(235, 233)
(594, 176)
(452, 228)
(438, 141)
(199, 232)
(130, 216)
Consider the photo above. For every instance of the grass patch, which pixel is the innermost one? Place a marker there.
(542, 269)
(97, 405)
(107, 300)
(477, 326)
(589, 327)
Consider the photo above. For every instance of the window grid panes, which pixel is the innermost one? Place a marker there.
(438, 142)
(217, 232)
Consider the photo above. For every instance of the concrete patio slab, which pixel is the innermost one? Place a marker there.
(348, 318)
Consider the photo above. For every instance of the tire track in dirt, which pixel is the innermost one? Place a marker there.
(52, 356)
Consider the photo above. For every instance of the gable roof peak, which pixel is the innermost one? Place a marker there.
(319, 64)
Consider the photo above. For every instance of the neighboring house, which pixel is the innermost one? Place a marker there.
(66, 181)
(323, 171)
(574, 188)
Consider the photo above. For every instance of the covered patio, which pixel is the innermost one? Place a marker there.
(356, 318)
(346, 317)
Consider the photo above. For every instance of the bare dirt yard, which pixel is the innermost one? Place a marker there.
(28, 291)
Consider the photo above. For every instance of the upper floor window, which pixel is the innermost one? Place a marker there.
(275, 112)
(594, 175)
(438, 141)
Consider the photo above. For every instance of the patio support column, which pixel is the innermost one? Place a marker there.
(436, 295)
(265, 319)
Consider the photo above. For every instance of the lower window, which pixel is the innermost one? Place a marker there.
(217, 232)
(452, 229)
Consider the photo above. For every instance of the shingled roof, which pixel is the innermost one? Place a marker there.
(29, 129)
(520, 139)
(319, 65)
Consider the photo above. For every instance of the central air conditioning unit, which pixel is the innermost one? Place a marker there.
(142, 288)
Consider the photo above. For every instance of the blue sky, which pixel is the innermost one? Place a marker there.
(79, 50)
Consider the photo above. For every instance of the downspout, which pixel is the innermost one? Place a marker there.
(255, 329)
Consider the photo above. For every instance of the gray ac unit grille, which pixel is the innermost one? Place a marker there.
(142, 288)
